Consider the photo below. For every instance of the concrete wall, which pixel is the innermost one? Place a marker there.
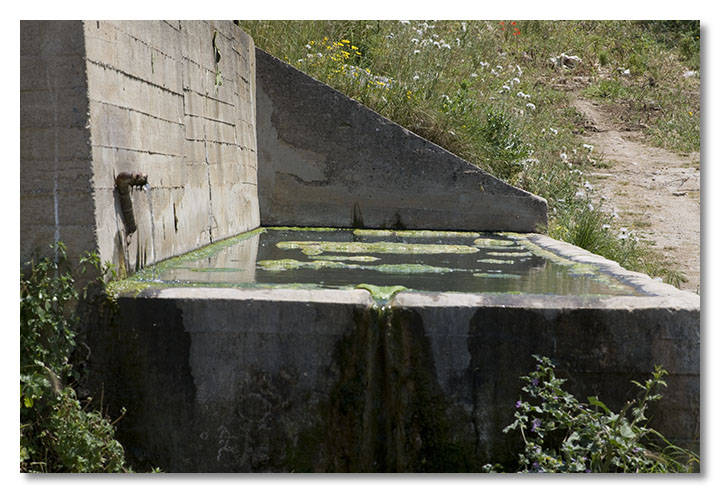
(56, 169)
(252, 380)
(102, 97)
(327, 160)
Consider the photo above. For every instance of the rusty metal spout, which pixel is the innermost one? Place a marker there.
(125, 182)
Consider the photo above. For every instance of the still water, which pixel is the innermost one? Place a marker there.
(417, 260)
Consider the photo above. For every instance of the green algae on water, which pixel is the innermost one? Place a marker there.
(291, 264)
(377, 247)
(341, 258)
(415, 233)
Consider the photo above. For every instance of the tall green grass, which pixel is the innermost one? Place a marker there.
(487, 91)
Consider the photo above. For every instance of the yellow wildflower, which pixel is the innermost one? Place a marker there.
(345, 41)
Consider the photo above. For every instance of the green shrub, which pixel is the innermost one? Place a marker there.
(560, 434)
(57, 434)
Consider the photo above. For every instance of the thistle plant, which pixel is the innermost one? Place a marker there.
(560, 434)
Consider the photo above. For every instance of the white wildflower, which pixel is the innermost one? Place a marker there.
(473, 75)
(588, 147)
(308, 46)
(553, 131)
(519, 70)
(591, 207)
(405, 22)
(588, 185)
(530, 106)
(580, 194)
(414, 40)
(563, 156)
(415, 52)
(516, 80)
(506, 88)
(416, 77)
(605, 227)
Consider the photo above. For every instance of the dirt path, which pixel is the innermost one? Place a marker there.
(655, 192)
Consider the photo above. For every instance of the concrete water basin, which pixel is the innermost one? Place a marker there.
(372, 350)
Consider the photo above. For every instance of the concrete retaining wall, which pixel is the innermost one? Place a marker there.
(327, 160)
(171, 99)
(253, 380)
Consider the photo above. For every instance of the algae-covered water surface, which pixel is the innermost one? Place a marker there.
(418, 260)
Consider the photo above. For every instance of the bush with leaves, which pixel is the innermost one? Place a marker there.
(57, 434)
(560, 434)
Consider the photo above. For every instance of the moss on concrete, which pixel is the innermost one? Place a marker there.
(492, 243)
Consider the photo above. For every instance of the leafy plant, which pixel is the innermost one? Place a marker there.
(560, 434)
(57, 433)
(504, 148)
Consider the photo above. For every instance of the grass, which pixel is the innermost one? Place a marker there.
(486, 91)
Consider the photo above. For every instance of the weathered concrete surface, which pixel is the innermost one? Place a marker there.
(171, 99)
(219, 379)
(55, 157)
(327, 160)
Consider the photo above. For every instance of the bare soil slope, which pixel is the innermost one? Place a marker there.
(655, 192)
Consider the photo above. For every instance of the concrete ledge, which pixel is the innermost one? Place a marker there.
(326, 160)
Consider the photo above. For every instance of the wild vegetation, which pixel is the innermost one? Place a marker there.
(499, 94)
(58, 433)
(561, 434)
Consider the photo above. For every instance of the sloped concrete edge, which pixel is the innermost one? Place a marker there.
(325, 159)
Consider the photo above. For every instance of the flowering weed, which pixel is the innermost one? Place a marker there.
(560, 434)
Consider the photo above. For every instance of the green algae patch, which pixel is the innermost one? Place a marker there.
(415, 233)
(377, 247)
(131, 285)
(343, 258)
(436, 234)
(373, 232)
(215, 269)
(492, 243)
(290, 264)
(409, 269)
(381, 293)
